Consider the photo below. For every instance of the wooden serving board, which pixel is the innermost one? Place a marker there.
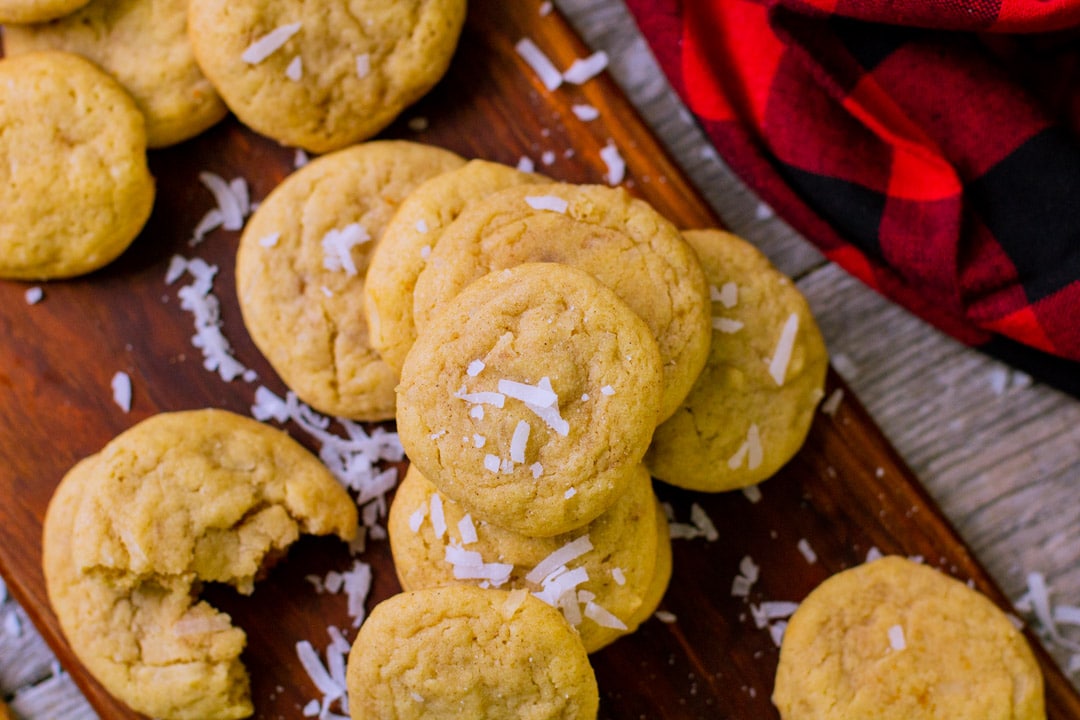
(845, 492)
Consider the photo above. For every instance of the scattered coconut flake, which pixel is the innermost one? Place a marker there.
(665, 617)
(295, 69)
(728, 296)
(425, 252)
(583, 70)
(763, 211)
(807, 551)
(585, 112)
(607, 390)
(560, 584)
(749, 568)
(121, 390)
(547, 202)
(326, 291)
(230, 206)
(438, 517)
(34, 295)
(269, 43)
(416, 519)
(551, 418)
(603, 617)
(12, 625)
(470, 565)
(1067, 615)
(616, 166)
(268, 405)
(571, 492)
(475, 368)
(212, 220)
(467, 530)
(312, 708)
(528, 394)
(337, 247)
(300, 158)
(752, 493)
(1039, 596)
(363, 65)
(535, 58)
(492, 463)
(545, 8)
(703, 523)
(873, 554)
(618, 576)
(309, 660)
(177, 267)
(727, 325)
(418, 124)
(778, 609)
(198, 299)
(739, 457)
(537, 470)
(753, 442)
(567, 553)
(496, 399)
(832, 403)
(776, 632)
(782, 356)
(421, 226)
(476, 412)
(357, 586)
(547, 157)
(514, 600)
(896, 638)
(519, 441)
(525, 164)
(584, 397)
(270, 240)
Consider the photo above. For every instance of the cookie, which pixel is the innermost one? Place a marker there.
(462, 652)
(130, 533)
(751, 408)
(403, 251)
(323, 75)
(531, 398)
(895, 639)
(664, 566)
(32, 11)
(301, 265)
(622, 241)
(74, 183)
(144, 45)
(435, 542)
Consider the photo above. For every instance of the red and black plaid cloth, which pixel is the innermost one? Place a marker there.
(930, 147)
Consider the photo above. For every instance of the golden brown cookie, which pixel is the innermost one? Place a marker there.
(614, 558)
(405, 246)
(144, 45)
(323, 75)
(32, 11)
(74, 184)
(621, 241)
(130, 533)
(893, 639)
(301, 266)
(530, 399)
(752, 405)
(462, 652)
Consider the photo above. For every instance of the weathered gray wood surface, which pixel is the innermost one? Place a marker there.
(1000, 454)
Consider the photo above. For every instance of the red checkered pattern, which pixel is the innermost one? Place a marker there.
(927, 146)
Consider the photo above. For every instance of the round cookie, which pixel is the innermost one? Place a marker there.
(462, 652)
(412, 233)
(531, 398)
(431, 538)
(738, 425)
(74, 184)
(336, 73)
(144, 45)
(620, 240)
(32, 11)
(893, 639)
(301, 265)
(130, 533)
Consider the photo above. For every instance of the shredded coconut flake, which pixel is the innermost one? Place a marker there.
(782, 355)
(300, 158)
(338, 244)
(363, 65)
(585, 113)
(753, 443)
(618, 576)
(417, 518)
(539, 62)
(728, 295)
(616, 166)
(727, 325)
(309, 660)
(776, 632)
(665, 617)
(545, 9)
(752, 493)
(421, 226)
(492, 463)
(295, 69)
(529, 394)
(418, 124)
(475, 368)
(270, 240)
(34, 295)
(567, 553)
(467, 530)
(269, 43)
(121, 390)
(570, 492)
(497, 399)
(583, 70)
(547, 202)
(438, 517)
(896, 638)
(602, 617)
(807, 551)
(607, 390)
(832, 403)
(230, 206)
(873, 554)
(703, 523)
(519, 441)
(537, 470)
(198, 299)
(525, 164)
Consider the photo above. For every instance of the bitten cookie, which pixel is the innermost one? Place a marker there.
(32, 11)
(130, 533)
(144, 45)
(462, 652)
(530, 399)
(74, 185)
(414, 230)
(301, 266)
(752, 405)
(323, 75)
(893, 639)
(612, 560)
(621, 241)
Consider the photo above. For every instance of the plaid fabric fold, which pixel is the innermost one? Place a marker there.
(926, 147)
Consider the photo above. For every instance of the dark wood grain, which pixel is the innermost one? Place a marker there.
(847, 491)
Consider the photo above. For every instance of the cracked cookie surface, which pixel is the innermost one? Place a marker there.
(741, 422)
(462, 652)
(620, 240)
(131, 532)
(144, 45)
(74, 184)
(301, 265)
(346, 71)
(531, 397)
